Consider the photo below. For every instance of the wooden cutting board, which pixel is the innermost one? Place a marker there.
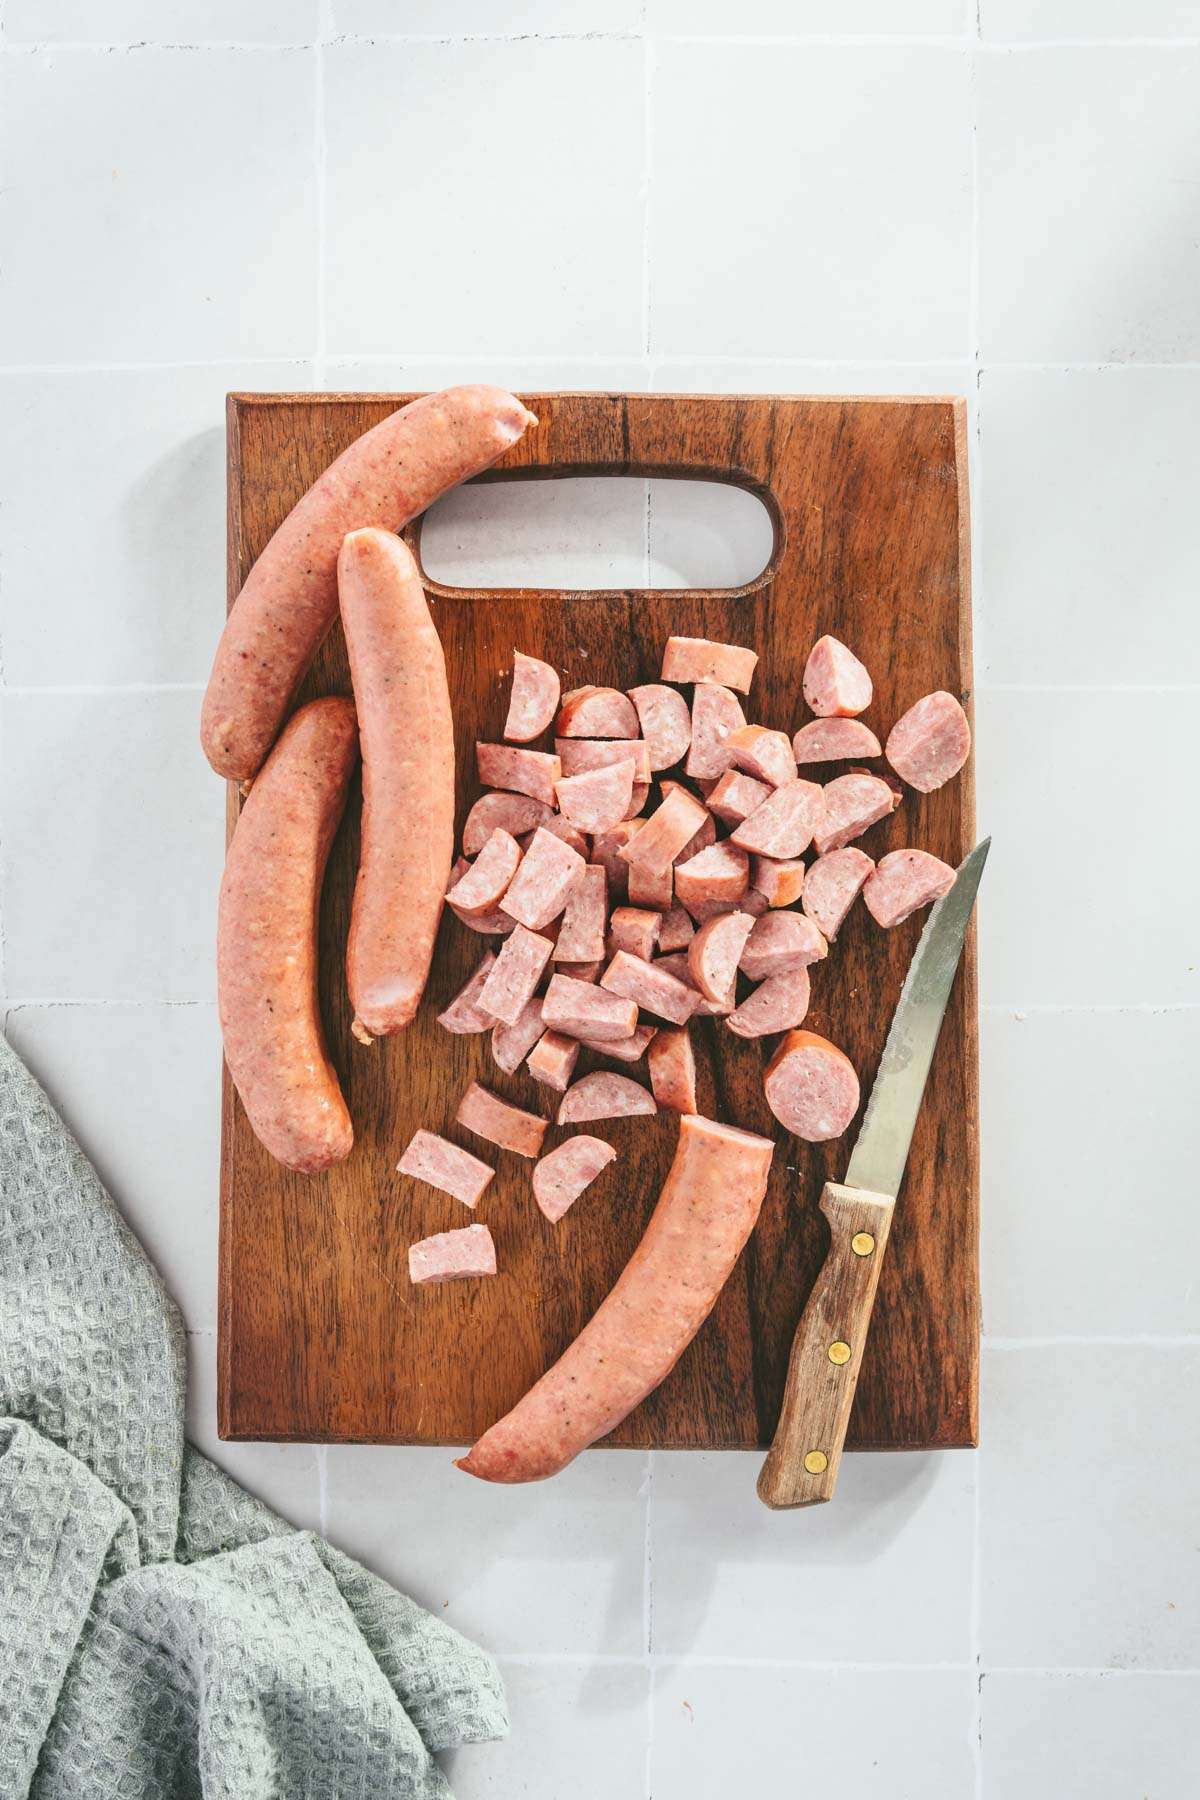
(321, 1335)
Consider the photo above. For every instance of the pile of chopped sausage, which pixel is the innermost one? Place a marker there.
(618, 923)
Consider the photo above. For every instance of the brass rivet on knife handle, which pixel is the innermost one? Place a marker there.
(862, 1243)
(827, 1352)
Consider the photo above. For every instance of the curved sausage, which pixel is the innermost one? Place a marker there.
(835, 683)
(407, 737)
(776, 1004)
(699, 659)
(452, 1255)
(513, 977)
(930, 743)
(767, 755)
(552, 1060)
(715, 714)
(562, 1175)
(902, 883)
(852, 803)
(831, 885)
(811, 1087)
(705, 1213)
(596, 712)
(666, 724)
(672, 1068)
(597, 799)
(779, 879)
(779, 943)
(715, 951)
(833, 740)
(508, 1127)
(783, 826)
(515, 813)
(533, 701)
(290, 597)
(429, 1158)
(267, 940)
(482, 883)
(604, 1095)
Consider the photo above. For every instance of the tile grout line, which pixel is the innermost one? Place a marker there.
(607, 359)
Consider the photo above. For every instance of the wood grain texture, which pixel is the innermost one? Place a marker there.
(321, 1336)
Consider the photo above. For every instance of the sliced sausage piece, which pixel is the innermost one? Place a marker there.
(637, 800)
(650, 887)
(835, 683)
(930, 743)
(431, 1159)
(677, 930)
(774, 1005)
(492, 923)
(485, 880)
(563, 1174)
(267, 940)
(599, 798)
(513, 978)
(751, 902)
(511, 1044)
(716, 713)
(514, 813)
(654, 990)
(606, 850)
(290, 597)
(677, 964)
(699, 659)
(811, 1087)
(583, 971)
(544, 882)
(902, 883)
(580, 1009)
(707, 833)
(532, 772)
(580, 754)
(779, 879)
(722, 872)
(603, 1095)
(507, 1126)
(406, 734)
(596, 712)
(629, 1050)
(552, 1060)
(780, 942)
(562, 828)
(666, 724)
(534, 699)
(452, 1255)
(715, 951)
(635, 929)
(664, 834)
(783, 826)
(581, 934)
(704, 1215)
(833, 740)
(830, 888)
(464, 1014)
(736, 796)
(767, 755)
(852, 803)
(673, 1069)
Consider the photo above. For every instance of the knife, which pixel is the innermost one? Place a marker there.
(801, 1468)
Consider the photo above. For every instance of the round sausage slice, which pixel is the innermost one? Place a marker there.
(831, 886)
(715, 951)
(835, 683)
(852, 803)
(833, 740)
(482, 884)
(534, 699)
(811, 1087)
(562, 1175)
(604, 1095)
(776, 1004)
(779, 943)
(904, 882)
(597, 712)
(930, 743)
(666, 723)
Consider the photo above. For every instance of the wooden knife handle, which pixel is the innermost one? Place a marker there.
(802, 1463)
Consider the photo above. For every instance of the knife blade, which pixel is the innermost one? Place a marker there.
(802, 1464)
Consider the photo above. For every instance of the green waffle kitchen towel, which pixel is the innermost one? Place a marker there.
(162, 1633)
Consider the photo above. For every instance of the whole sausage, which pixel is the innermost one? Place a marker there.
(705, 1213)
(534, 699)
(811, 1087)
(407, 736)
(290, 597)
(267, 940)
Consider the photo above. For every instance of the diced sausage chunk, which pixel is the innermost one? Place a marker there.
(767, 755)
(751, 902)
(715, 714)
(582, 1010)
(776, 1004)
(835, 683)
(562, 828)
(650, 887)
(715, 951)
(902, 883)
(606, 850)
(563, 1174)
(930, 743)
(507, 1126)
(511, 1044)
(831, 887)
(635, 929)
(492, 923)
(833, 740)
(581, 934)
(552, 1060)
(544, 882)
(677, 930)
(532, 772)
(811, 1087)
(779, 943)
(483, 882)
(783, 826)
(534, 699)
(666, 724)
(597, 799)
(577, 755)
(852, 804)
(707, 833)
(452, 1256)
(650, 987)
(464, 1014)
(722, 872)
(672, 1068)
(627, 1050)
(513, 979)
(514, 813)
(604, 1095)
(667, 831)
(699, 659)
(677, 964)
(431, 1159)
(780, 880)
(597, 712)
(736, 796)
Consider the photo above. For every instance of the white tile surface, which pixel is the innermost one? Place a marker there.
(174, 221)
(1091, 1138)
(579, 1732)
(1088, 893)
(1090, 1476)
(547, 252)
(750, 375)
(1109, 1737)
(1088, 163)
(1039, 19)
(140, 1086)
(1090, 557)
(859, 1734)
(129, 586)
(153, 22)
(886, 1567)
(286, 1476)
(483, 18)
(779, 227)
(524, 373)
(562, 1577)
(806, 18)
(113, 837)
